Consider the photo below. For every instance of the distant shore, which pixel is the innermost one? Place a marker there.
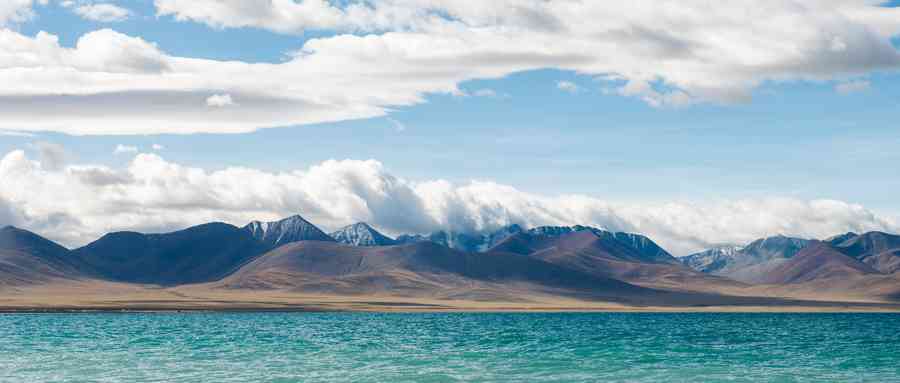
(447, 307)
(98, 296)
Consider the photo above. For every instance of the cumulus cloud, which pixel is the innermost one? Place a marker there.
(158, 147)
(123, 149)
(286, 16)
(102, 12)
(853, 86)
(99, 58)
(220, 101)
(394, 53)
(16, 11)
(8, 216)
(153, 194)
(53, 156)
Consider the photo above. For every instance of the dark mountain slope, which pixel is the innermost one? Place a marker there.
(15, 239)
(818, 262)
(624, 246)
(27, 258)
(600, 253)
(420, 268)
(468, 242)
(198, 254)
(877, 249)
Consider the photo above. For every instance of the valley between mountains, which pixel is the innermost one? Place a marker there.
(293, 265)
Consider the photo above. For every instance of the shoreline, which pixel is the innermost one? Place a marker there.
(94, 297)
(176, 309)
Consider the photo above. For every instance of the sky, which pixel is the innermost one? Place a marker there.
(698, 124)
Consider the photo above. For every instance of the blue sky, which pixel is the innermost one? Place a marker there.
(794, 137)
(798, 139)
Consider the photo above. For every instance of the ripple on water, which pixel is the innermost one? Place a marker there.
(369, 347)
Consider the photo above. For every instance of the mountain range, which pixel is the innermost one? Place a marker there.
(510, 264)
(756, 262)
(749, 263)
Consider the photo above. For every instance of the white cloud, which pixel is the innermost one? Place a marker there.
(568, 86)
(122, 149)
(158, 147)
(485, 92)
(152, 194)
(53, 157)
(393, 53)
(220, 101)
(16, 11)
(285, 16)
(853, 86)
(99, 59)
(13, 133)
(101, 12)
(8, 215)
(490, 93)
(838, 44)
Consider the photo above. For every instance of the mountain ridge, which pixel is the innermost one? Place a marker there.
(817, 261)
(28, 259)
(877, 249)
(361, 234)
(291, 229)
(414, 268)
(568, 260)
(199, 253)
(750, 263)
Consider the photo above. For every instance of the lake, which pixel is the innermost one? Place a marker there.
(448, 347)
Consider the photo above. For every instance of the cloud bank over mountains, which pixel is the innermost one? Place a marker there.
(75, 203)
(381, 55)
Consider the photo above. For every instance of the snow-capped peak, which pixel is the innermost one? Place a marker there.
(291, 229)
(361, 234)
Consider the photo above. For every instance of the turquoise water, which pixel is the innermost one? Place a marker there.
(289, 347)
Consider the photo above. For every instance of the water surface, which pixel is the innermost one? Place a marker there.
(362, 347)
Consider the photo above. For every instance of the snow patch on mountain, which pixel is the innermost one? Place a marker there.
(291, 229)
(361, 234)
(750, 263)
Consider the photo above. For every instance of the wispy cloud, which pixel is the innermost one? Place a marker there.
(491, 93)
(123, 149)
(371, 61)
(854, 86)
(568, 86)
(13, 133)
(398, 126)
(98, 11)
